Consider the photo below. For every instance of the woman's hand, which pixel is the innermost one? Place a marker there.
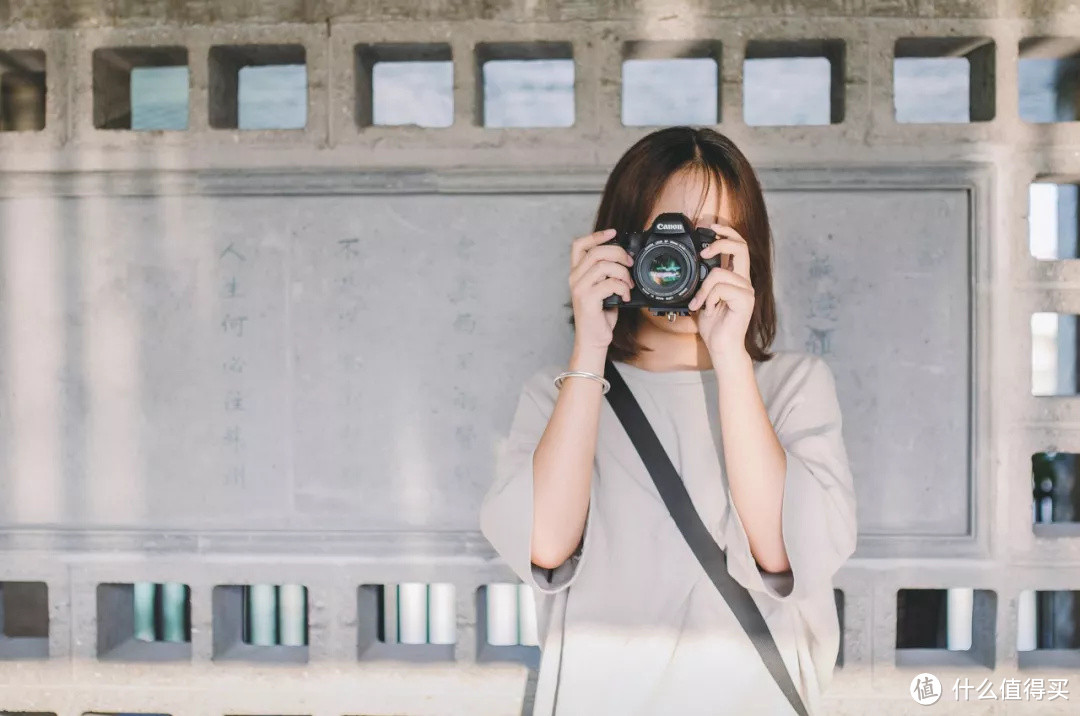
(725, 297)
(596, 272)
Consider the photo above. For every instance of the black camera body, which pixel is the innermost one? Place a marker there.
(668, 268)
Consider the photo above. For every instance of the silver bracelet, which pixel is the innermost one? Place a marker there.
(582, 374)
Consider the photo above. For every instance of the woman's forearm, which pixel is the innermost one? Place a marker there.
(754, 461)
(562, 464)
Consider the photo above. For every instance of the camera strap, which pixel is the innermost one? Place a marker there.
(712, 558)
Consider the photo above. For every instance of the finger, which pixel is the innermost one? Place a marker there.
(582, 244)
(714, 300)
(601, 270)
(734, 296)
(605, 288)
(724, 245)
(727, 231)
(612, 253)
(726, 234)
(716, 276)
(724, 275)
(737, 248)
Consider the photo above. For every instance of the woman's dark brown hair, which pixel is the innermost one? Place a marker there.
(638, 178)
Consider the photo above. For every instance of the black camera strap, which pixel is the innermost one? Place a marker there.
(708, 552)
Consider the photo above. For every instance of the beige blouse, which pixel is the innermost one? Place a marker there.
(631, 623)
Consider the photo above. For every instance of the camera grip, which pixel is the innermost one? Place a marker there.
(613, 301)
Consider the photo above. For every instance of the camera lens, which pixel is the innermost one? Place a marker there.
(665, 270)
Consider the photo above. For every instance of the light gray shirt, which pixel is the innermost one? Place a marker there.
(631, 623)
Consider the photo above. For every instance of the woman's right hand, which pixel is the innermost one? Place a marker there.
(596, 272)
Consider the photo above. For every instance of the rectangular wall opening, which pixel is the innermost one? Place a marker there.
(943, 79)
(258, 87)
(142, 88)
(403, 84)
(670, 82)
(1053, 354)
(22, 91)
(24, 620)
(1053, 220)
(792, 82)
(1055, 480)
(261, 622)
(144, 621)
(506, 629)
(413, 621)
(525, 84)
(945, 627)
(1048, 72)
(1048, 629)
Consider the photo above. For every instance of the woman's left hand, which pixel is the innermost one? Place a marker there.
(725, 297)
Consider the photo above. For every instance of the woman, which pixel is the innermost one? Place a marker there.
(629, 622)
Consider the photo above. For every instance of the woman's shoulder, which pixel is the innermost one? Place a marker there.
(787, 370)
(785, 361)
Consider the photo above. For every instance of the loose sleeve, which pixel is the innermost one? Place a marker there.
(818, 513)
(506, 514)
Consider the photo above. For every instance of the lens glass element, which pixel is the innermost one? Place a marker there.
(665, 269)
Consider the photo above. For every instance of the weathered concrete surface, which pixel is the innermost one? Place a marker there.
(102, 13)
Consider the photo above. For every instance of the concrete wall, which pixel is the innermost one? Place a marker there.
(122, 461)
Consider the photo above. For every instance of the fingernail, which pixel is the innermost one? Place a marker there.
(609, 232)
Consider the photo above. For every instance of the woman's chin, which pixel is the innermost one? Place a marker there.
(681, 324)
(685, 324)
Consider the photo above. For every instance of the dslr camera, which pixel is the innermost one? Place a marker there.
(668, 268)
